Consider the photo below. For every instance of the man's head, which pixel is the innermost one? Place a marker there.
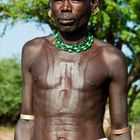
(72, 15)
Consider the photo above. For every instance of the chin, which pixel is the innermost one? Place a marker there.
(67, 29)
(71, 28)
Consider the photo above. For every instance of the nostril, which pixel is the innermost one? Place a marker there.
(66, 10)
(66, 7)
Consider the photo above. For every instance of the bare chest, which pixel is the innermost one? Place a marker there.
(68, 71)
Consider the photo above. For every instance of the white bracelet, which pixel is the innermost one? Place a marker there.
(26, 117)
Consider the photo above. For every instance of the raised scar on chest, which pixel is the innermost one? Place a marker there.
(63, 73)
(66, 69)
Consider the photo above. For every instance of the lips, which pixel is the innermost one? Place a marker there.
(66, 21)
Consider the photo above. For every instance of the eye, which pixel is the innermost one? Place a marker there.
(77, 1)
(56, 1)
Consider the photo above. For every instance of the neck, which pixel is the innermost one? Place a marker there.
(73, 38)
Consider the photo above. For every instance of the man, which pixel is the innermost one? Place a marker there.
(68, 79)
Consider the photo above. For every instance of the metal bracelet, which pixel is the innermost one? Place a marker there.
(119, 131)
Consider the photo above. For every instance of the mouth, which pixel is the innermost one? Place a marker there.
(66, 21)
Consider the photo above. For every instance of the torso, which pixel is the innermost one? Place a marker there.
(69, 94)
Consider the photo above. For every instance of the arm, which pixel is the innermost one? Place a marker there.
(118, 96)
(24, 128)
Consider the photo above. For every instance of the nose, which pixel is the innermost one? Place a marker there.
(66, 6)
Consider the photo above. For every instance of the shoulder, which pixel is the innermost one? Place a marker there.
(109, 53)
(36, 43)
(113, 58)
(32, 47)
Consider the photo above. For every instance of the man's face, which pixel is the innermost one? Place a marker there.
(70, 15)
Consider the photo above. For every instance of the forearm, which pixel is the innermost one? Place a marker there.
(24, 130)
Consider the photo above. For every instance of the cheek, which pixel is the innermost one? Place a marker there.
(83, 21)
(55, 9)
(83, 8)
(82, 12)
(84, 17)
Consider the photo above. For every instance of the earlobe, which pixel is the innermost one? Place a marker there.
(50, 13)
(94, 7)
(96, 10)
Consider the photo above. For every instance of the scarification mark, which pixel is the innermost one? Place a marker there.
(65, 75)
(66, 80)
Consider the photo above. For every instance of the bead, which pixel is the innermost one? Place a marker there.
(85, 49)
(83, 46)
(77, 51)
(70, 51)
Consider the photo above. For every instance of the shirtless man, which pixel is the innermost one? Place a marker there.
(68, 79)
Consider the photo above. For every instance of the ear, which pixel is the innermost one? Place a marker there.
(94, 4)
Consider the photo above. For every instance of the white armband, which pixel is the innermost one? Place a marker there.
(26, 117)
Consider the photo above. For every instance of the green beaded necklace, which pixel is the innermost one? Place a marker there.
(83, 46)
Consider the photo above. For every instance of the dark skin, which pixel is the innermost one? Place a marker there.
(67, 92)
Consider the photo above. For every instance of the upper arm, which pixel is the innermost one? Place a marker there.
(118, 90)
(27, 80)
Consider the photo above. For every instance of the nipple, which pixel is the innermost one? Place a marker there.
(93, 83)
(36, 78)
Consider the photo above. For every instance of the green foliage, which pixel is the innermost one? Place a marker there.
(25, 10)
(135, 113)
(10, 89)
(117, 21)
